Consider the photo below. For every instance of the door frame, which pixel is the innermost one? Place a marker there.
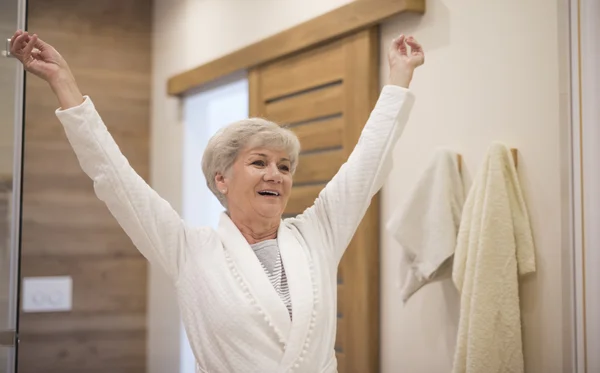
(584, 177)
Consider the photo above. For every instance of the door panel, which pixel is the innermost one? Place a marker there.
(322, 134)
(314, 68)
(317, 103)
(325, 95)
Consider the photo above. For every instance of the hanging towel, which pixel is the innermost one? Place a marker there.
(495, 247)
(427, 224)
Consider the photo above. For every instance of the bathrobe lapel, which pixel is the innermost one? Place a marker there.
(254, 276)
(300, 282)
(302, 291)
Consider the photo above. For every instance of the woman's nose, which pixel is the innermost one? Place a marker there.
(272, 174)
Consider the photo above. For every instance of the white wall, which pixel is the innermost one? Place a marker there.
(492, 73)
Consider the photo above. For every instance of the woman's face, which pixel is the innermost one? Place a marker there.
(258, 184)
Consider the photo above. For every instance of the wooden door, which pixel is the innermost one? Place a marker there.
(325, 94)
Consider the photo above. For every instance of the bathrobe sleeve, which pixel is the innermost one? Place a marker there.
(150, 222)
(341, 205)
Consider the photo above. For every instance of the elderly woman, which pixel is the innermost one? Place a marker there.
(257, 295)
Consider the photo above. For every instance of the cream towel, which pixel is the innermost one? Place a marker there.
(495, 246)
(427, 224)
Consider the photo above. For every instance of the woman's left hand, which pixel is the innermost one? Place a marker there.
(404, 62)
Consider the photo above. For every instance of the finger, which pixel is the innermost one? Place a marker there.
(414, 45)
(15, 36)
(400, 45)
(396, 42)
(23, 42)
(41, 45)
(37, 54)
(18, 43)
(27, 50)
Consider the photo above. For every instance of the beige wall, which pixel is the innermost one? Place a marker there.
(492, 73)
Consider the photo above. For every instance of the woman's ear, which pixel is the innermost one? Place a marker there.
(221, 183)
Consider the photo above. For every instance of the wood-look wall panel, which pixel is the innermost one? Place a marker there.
(129, 116)
(67, 183)
(48, 158)
(114, 352)
(320, 134)
(66, 230)
(302, 197)
(101, 284)
(318, 167)
(58, 240)
(311, 69)
(307, 106)
(79, 323)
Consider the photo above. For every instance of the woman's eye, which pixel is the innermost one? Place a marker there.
(259, 163)
(284, 168)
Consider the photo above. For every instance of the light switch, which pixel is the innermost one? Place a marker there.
(47, 294)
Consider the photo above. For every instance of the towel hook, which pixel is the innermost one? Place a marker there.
(513, 151)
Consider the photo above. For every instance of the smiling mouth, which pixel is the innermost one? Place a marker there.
(269, 193)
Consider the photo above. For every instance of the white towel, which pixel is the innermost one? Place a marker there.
(495, 246)
(427, 224)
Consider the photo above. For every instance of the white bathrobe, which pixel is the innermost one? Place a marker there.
(234, 319)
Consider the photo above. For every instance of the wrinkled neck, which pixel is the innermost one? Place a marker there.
(255, 229)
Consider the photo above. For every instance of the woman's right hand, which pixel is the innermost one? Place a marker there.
(404, 62)
(41, 59)
(38, 57)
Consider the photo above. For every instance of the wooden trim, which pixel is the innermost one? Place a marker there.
(255, 105)
(361, 259)
(357, 15)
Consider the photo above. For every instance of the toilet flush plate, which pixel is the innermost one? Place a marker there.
(47, 294)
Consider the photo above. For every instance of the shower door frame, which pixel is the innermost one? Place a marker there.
(10, 336)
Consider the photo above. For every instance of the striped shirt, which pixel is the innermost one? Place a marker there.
(269, 256)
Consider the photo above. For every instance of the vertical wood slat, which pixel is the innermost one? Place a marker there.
(302, 198)
(319, 167)
(322, 134)
(256, 105)
(303, 71)
(361, 260)
(312, 105)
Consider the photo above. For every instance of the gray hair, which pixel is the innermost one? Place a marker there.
(223, 148)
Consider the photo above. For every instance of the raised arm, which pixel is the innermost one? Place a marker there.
(343, 202)
(150, 222)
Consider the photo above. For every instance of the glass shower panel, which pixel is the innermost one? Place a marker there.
(12, 17)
